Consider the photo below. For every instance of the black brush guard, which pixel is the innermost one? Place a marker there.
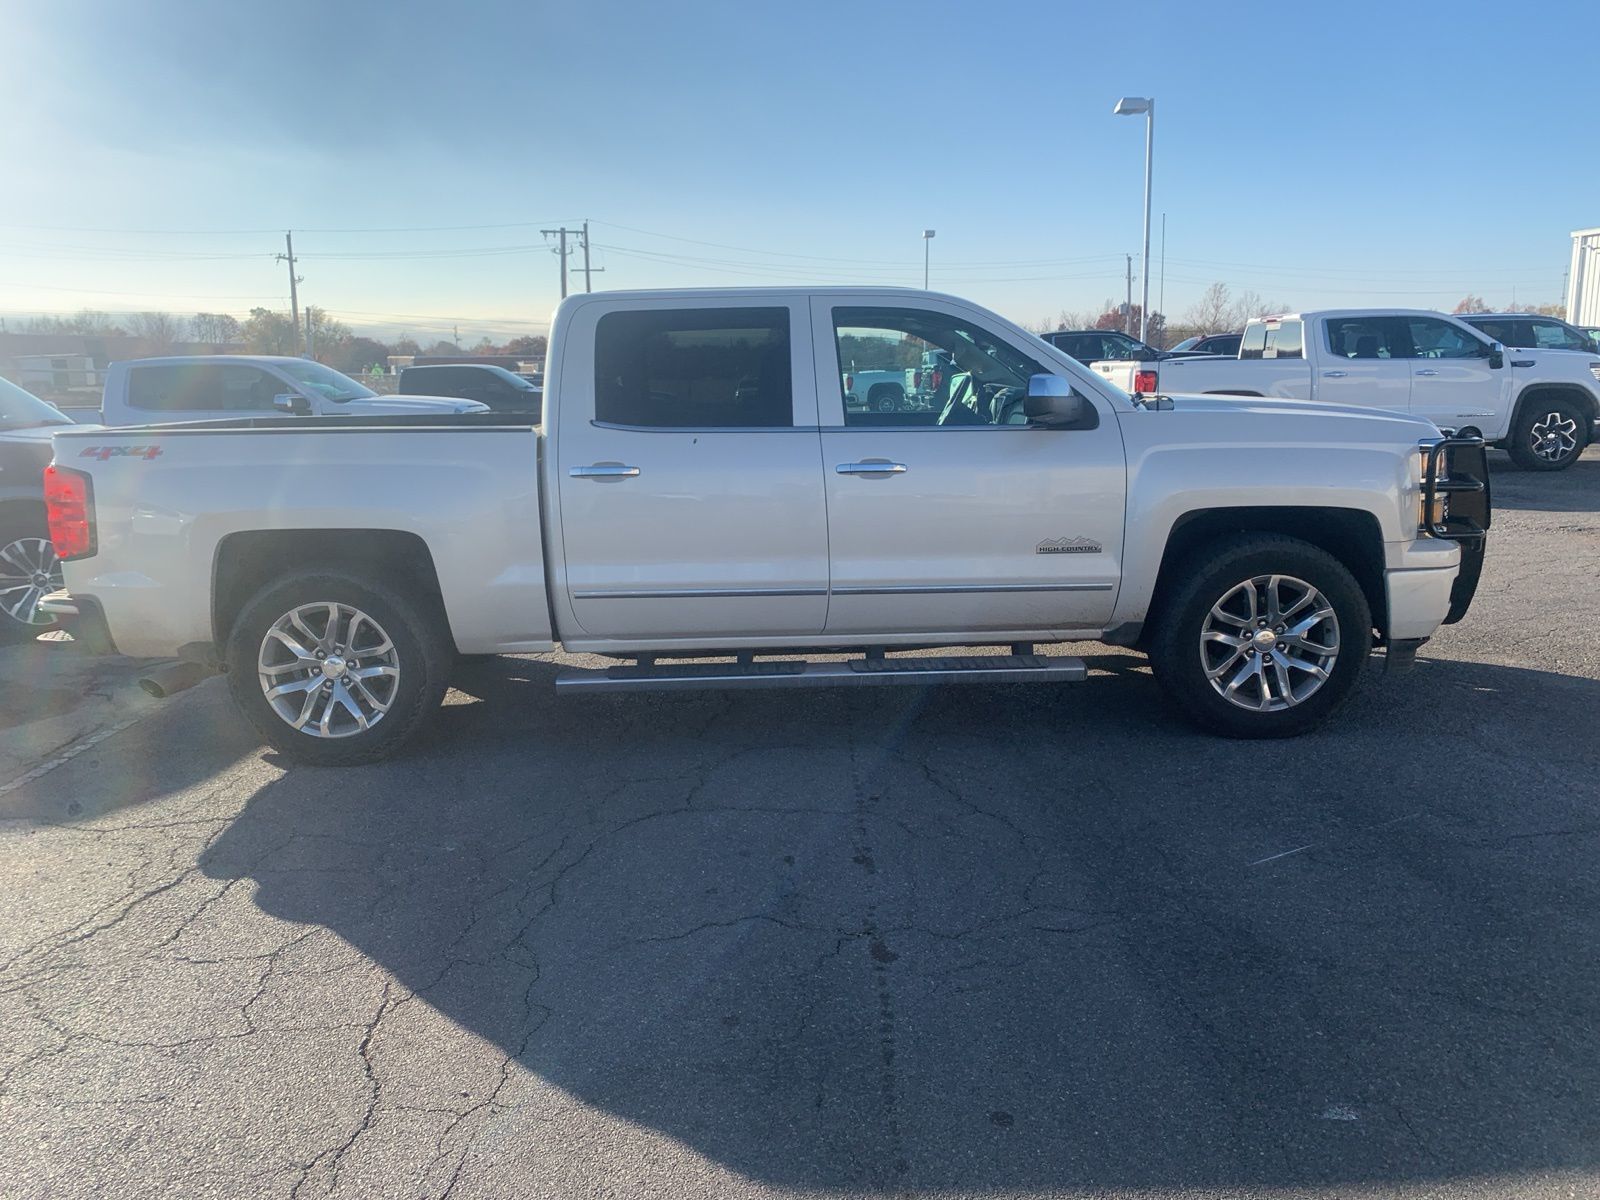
(1458, 468)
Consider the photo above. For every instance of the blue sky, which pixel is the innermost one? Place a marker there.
(1400, 153)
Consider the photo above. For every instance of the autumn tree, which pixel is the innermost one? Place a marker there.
(1471, 304)
(268, 332)
(527, 346)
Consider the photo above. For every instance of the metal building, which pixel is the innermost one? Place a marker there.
(1583, 280)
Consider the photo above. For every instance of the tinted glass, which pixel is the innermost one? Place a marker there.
(977, 379)
(317, 380)
(1254, 342)
(1284, 341)
(1504, 332)
(694, 368)
(203, 387)
(1433, 338)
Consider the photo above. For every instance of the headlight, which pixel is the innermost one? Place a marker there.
(1439, 512)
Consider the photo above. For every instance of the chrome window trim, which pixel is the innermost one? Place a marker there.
(916, 589)
(599, 424)
(693, 593)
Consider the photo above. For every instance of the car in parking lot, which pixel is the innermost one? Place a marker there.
(493, 386)
(701, 487)
(28, 565)
(1531, 331)
(1210, 343)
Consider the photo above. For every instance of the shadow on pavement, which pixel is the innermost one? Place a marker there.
(995, 938)
(1577, 489)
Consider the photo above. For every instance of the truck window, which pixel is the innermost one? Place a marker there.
(1368, 337)
(1254, 343)
(202, 387)
(1283, 340)
(1552, 335)
(975, 379)
(1433, 338)
(694, 368)
(1504, 332)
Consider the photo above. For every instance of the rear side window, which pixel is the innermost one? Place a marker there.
(1504, 332)
(1254, 343)
(694, 368)
(1283, 340)
(1368, 337)
(202, 387)
(1552, 335)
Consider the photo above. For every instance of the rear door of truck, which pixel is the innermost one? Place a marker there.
(1362, 359)
(688, 470)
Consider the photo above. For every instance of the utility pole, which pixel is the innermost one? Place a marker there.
(586, 268)
(1127, 309)
(1161, 305)
(562, 232)
(294, 282)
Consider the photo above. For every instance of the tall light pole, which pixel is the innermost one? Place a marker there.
(1130, 106)
(927, 238)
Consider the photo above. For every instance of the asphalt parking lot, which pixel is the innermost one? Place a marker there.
(998, 941)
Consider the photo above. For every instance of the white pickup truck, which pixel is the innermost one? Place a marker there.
(700, 491)
(1540, 405)
(221, 386)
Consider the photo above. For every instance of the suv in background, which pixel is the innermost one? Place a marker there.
(1529, 331)
(502, 390)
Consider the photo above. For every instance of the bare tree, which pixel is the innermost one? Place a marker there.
(1212, 313)
(159, 331)
(218, 329)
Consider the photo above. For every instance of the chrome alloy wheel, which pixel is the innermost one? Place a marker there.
(329, 670)
(1554, 436)
(28, 570)
(1270, 643)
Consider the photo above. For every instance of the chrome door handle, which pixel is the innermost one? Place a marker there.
(871, 468)
(1427, 372)
(604, 471)
(1334, 374)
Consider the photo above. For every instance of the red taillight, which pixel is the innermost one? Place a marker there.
(916, 379)
(1144, 382)
(69, 511)
(849, 383)
(938, 379)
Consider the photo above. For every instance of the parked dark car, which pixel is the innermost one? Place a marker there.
(502, 390)
(1226, 344)
(1530, 331)
(1100, 345)
(28, 566)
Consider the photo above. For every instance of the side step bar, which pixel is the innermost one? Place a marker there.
(859, 672)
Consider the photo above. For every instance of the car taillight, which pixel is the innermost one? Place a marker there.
(916, 379)
(69, 512)
(1144, 382)
(938, 378)
(849, 383)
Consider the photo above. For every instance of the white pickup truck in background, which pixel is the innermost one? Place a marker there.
(1540, 405)
(700, 489)
(145, 391)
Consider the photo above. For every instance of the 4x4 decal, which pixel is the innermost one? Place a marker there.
(105, 453)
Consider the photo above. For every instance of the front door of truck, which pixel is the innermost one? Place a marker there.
(952, 515)
(1452, 384)
(691, 501)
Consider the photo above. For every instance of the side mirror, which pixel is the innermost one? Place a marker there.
(292, 403)
(1053, 404)
(1497, 356)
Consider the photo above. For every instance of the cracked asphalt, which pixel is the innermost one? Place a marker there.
(999, 941)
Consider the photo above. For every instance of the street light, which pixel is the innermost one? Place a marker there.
(927, 237)
(1132, 106)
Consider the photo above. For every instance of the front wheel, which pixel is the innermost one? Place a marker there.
(1264, 636)
(1548, 435)
(335, 670)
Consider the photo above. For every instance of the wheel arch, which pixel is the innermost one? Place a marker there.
(1351, 535)
(1535, 392)
(247, 561)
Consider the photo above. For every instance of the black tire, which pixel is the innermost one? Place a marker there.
(424, 654)
(1202, 581)
(1536, 442)
(15, 530)
(886, 397)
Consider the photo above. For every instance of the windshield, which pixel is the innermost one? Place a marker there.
(24, 410)
(511, 377)
(325, 381)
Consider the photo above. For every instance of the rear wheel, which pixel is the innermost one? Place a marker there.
(1265, 636)
(1548, 434)
(28, 570)
(336, 670)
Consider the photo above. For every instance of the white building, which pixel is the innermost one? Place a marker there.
(1583, 281)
